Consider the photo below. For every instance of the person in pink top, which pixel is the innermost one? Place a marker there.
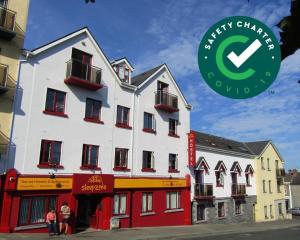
(51, 222)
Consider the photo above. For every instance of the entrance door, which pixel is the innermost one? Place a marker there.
(200, 212)
(88, 211)
(81, 66)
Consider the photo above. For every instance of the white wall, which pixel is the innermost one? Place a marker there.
(212, 160)
(31, 125)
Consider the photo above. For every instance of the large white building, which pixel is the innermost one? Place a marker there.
(85, 131)
(223, 180)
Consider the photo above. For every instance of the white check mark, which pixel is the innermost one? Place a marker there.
(245, 55)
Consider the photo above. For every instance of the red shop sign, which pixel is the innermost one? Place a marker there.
(192, 149)
(92, 183)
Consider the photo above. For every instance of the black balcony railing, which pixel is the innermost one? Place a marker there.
(3, 76)
(166, 101)
(238, 189)
(7, 23)
(280, 172)
(204, 190)
(83, 74)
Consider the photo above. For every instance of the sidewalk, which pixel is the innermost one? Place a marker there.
(178, 232)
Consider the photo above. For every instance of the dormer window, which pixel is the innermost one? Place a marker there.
(123, 72)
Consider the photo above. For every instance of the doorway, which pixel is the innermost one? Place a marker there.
(200, 212)
(88, 212)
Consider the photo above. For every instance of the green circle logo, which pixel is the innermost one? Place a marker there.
(239, 57)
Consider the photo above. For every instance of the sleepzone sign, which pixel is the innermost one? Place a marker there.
(239, 57)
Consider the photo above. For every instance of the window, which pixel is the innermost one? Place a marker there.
(93, 109)
(173, 200)
(122, 72)
(90, 156)
(173, 162)
(248, 179)
(276, 164)
(279, 189)
(220, 178)
(149, 122)
(262, 163)
(147, 202)
(238, 207)
(200, 212)
(34, 209)
(280, 209)
(221, 209)
(271, 211)
(123, 115)
(268, 162)
(173, 127)
(120, 204)
(270, 186)
(121, 158)
(50, 152)
(264, 186)
(55, 101)
(148, 160)
(266, 212)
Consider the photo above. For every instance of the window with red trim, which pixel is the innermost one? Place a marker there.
(123, 115)
(147, 205)
(173, 200)
(50, 152)
(93, 109)
(123, 72)
(55, 101)
(173, 162)
(248, 179)
(90, 155)
(121, 158)
(34, 209)
(120, 201)
(173, 123)
(148, 160)
(220, 175)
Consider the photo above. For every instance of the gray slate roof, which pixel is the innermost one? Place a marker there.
(257, 147)
(207, 140)
(140, 78)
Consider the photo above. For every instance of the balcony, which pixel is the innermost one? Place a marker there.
(166, 102)
(7, 23)
(204, 191)
(238, 190)
(3, 78)
(280, 172)
(83, 75)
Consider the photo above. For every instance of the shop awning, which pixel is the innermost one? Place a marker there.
(4, 141)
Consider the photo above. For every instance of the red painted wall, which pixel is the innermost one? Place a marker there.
(160, 218)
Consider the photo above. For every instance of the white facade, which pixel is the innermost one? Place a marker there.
(212, 159)
(46, 68)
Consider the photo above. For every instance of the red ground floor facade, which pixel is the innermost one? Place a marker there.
(99, 201)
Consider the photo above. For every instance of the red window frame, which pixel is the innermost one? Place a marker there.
(54, 108)
(173, 133)
(42, 161)
(119, 204)
(218, 178)
(84, 163)
(91, 118)
(47, 197)
(123, 152)
(122, 123)
(171, 169)
(126, 70)
(147, 201)
(221, 211)
(178, 200)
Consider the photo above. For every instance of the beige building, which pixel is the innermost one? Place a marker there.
(13, 19)
(269, 172)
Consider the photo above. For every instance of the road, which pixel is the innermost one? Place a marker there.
(286, 234)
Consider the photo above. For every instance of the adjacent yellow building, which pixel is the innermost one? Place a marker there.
(269, 172)
(13, 19)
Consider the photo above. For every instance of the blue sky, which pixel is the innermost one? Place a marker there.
(151, 32)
